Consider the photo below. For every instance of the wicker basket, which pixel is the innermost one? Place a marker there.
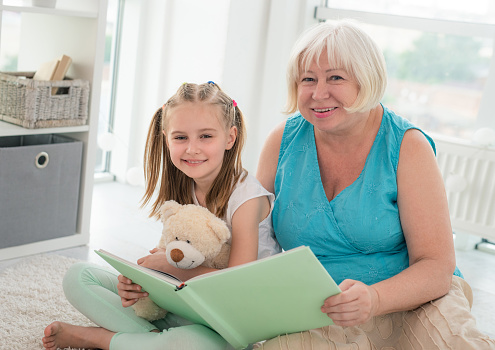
(37, 104)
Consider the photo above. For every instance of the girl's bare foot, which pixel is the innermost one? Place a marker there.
(63, 335)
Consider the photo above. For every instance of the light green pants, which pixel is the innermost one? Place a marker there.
(92, 290)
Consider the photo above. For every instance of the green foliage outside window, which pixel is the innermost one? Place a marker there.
(438, 58)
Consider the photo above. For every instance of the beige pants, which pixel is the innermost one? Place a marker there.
(444, 323)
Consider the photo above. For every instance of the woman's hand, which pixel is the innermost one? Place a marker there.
(356, 305)
(129, 292)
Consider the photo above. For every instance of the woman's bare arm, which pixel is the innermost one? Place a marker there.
(427, 229)
(267, 164)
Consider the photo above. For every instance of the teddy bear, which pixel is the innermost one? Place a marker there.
(191, 236)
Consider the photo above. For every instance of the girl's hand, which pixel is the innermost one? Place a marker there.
(356, 305)
(157, 260)
(129, 292)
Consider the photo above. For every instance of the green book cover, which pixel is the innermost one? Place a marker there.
(246, 303)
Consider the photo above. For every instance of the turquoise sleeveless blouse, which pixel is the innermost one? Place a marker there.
(357, 235)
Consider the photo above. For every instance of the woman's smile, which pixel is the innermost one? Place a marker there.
(324, 112)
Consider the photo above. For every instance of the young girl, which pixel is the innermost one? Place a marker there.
(193, 154)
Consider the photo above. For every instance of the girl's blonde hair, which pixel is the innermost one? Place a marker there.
(174, 184)
(349, 48)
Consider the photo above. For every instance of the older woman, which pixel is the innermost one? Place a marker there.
(361, 187)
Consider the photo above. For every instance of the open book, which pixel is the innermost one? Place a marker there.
(246, 303)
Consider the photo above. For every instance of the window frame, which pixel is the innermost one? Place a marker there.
(442, 26)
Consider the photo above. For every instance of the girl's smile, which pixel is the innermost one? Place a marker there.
(197, 141)
(194, 162)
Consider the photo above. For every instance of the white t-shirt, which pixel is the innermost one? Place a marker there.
(243, 191)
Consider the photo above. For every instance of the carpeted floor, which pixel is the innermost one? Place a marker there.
(31, 297)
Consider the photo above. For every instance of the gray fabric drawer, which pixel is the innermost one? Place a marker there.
(39, 188)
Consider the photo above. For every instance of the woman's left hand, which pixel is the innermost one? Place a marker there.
(356, 305)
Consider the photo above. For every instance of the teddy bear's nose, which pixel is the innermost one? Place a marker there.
(176, 255)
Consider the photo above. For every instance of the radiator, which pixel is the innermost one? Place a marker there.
(471, 169)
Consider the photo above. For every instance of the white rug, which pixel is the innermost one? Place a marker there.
(31, 297)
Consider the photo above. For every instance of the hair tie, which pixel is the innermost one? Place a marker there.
(211, 82)
(234, 103)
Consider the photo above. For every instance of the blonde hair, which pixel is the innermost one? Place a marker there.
(174, 184)
(349, 48)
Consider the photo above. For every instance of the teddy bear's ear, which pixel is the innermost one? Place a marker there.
(220, 228)
(168, 209)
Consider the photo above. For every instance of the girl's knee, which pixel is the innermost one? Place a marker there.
(82, 275)
(73, 274)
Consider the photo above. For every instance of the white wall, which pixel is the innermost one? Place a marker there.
(261, 35)
(242, 45)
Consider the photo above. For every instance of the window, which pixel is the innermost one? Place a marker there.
(105, 120)
(438, 58)
(11, 34)
(474, 11)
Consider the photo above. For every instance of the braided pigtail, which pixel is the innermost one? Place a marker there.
(154, 148)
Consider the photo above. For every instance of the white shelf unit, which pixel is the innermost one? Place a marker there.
(76, 29)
